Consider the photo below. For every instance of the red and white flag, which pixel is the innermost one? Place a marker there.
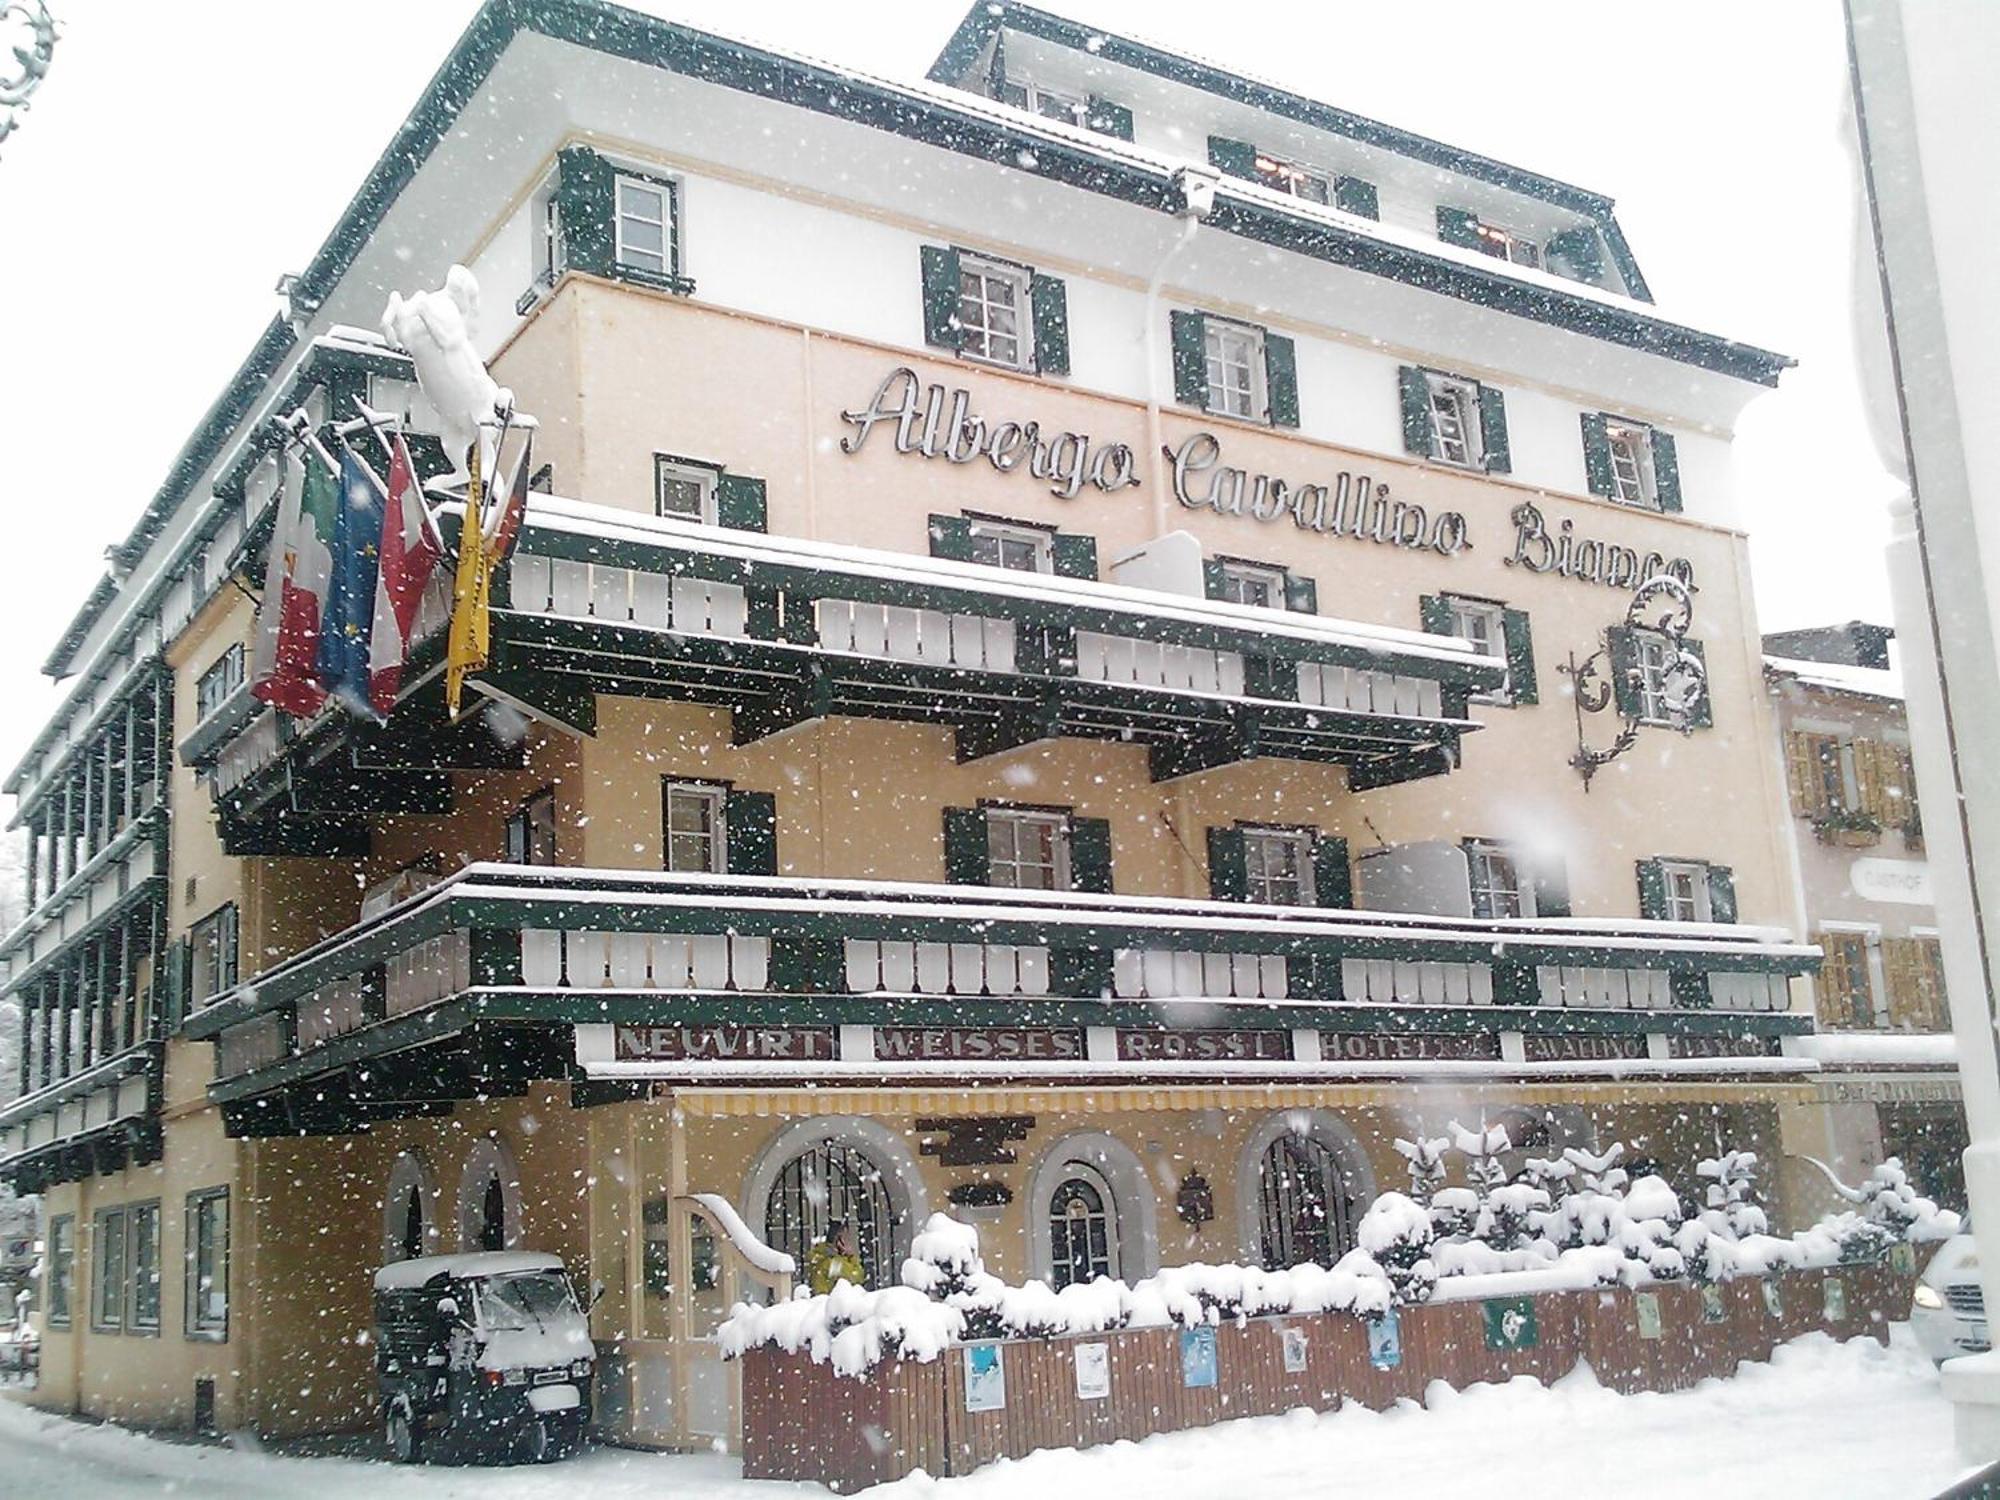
(410, 552)
(283, 670)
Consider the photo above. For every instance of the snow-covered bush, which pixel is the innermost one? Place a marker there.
(1424, 1159)
(1396, 1235)
(1732, 1210)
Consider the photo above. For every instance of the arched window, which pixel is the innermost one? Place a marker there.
(1083, 1235)
(493, 1217)
(412, 1244)
(828, 1181)
(409, 1224)
(1306, 1211)
(489, 1198)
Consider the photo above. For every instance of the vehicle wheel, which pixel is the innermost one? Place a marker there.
(537, 1444)
(404, 1436)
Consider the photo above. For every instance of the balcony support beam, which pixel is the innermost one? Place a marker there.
(1015, 728)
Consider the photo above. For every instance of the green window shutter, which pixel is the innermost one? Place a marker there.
(1721, 894)
(1107, 118)
(180, 972)
(1457, 227)
(585, 203)
(1228, 866)
(1652, 890)
(1419, 435)
(1436, 612)
(1281, 380)
(739, 503)
(1301, 594)
(1703, 716)
(951, 537)
(750, 828)
(1493, 430)
(1353, 195)
(1597, 455)
(1333, 877)
(1090, 855)
(1236, 158)
(1520, 644)
(1190, 340)
(1073, 554)
(1666, 471)
(1625, 671)
(1049, 299)
(966, 861)
(1212, 577)
(1551, 886)
(941, 329)
(1583, 252)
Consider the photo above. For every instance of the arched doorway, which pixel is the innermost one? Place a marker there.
(409, 1226)
(1082, 1227)
(489, 1198)
(1304, 1183)
(830, 1181)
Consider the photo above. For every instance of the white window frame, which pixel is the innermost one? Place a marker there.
(1468, 618)
(976, 303)
(1654, 655)
(1006, 535)
(1632, 482)
(622, 253)
(1506, 244)
(217, 940)
(1694, 907)
(707, 795)
(147, 1209)
(1455, 421)
(1283, 176)
(107, 1297)
(1221, 338)
(1483, 858)
(550, 260)
(704, 477)
(1075, 107)
(1259, 882)
(1239, 578)
(1017, 820)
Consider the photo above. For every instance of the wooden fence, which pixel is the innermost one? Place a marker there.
(803, 1422)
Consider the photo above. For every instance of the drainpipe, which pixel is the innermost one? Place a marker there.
(1195, 186)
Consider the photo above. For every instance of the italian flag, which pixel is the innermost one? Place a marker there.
(284, 669)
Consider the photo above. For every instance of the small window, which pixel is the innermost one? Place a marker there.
(143, 1232)
(61, 1269)
(1631, 447)
(1454, 407)
(550, 258)
(1830, 760)
(684, 491)
(1235, 355)
(1684, 886)
(213, 954)
(1483, 626)
(213, 687)
(1498, 891)
(644, 225)
(107, 1301)
(1279, 865)
(1506, 244)
(993, 312)
(1054, 104)
(1289, 177)
(531, 831)
(1023, 549)
(1660, 687)
(1027, 850)
(207, 1228)
(1846, 984)
(1254, 584)
(693, 827)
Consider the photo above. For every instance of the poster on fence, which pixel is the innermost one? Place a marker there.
(1834, 1294)
(1646, 1305)
(1903, 1258)
(1774, 1300)
(985, 1377)
(1510, 1323)
(1385, 1341)
(1712, 1308)
(1197, 1357)
(1295, 1350)
(1093, 1371)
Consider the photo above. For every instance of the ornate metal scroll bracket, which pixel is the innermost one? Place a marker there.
(36, 30)
(1663, 607)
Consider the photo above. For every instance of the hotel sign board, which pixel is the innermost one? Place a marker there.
(723, 1044)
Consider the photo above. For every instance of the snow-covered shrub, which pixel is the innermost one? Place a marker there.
(1454, 1213)
(1424, 1159)
(1732, 1210)
(1507, 1217)
(1396, 1235)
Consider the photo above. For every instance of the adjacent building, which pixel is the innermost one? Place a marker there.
(1889, 1085)
(1037, 683)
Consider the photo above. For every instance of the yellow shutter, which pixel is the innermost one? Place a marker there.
(1870, 792)
(1846, 962)
(1929, 956)
(1800, 771)
(1915, 994)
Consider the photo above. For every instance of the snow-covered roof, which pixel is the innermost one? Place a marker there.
(1877, 1049)
(1840, 677)
(406, 1274)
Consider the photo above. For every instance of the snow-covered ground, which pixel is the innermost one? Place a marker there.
(1824, 1420)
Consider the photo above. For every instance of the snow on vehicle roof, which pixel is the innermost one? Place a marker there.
(407, 1274)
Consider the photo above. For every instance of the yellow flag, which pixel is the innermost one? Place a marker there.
(471, 625)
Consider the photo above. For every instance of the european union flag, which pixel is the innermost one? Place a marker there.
(347, 625)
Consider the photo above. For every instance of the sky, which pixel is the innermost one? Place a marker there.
(177, 160)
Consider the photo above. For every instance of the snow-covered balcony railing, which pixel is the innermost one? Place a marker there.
(513, 951)
(100, 1119)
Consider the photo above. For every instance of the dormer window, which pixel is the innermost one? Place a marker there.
(1300, 182)
(1066, 105)
(1505, 244)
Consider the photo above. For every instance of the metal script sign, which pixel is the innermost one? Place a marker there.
(1539, 1047)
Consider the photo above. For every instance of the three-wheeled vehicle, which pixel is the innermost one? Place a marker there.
(484, 1356)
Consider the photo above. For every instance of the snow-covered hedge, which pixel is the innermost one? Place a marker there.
(1565, 1224)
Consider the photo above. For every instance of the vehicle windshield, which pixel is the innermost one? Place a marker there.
(530, 1299)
